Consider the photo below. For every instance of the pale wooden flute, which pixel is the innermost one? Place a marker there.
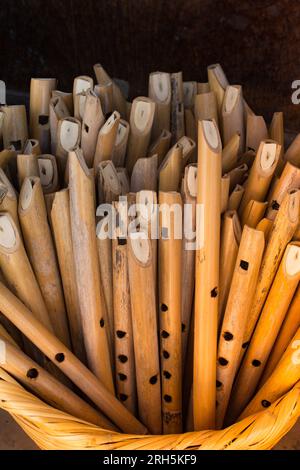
(292, 153)
(205, 106)
(106, 139)
(169, 172)
(160, 93)
(81, 86)
(230, 153)
(109, 186)
(144, 174)
(68, 139)
(40, 95)
(57, 110)
(92, 121)
(23, 319)
(120, 145)
(189, 93)
(256, 131)
(105, 94)
(161, 146)
(235, 198)
(14, 127)
(233, 115)
(217, 82)
(89, 288)
(144, 325)
(35, 227)
(238, 305)
(289, 179)
(118, 100)
(48, 173)
(207, 274)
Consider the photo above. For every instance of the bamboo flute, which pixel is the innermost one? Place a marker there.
(144, 174)
(261, 173)
(120, 145)
(61, 226)
(123, 180)
(205, 107)
(41, 252)
(161, 146)
(230, 239)
(177, 106)
(91, 299)
(170, 251)
(25, 370)
(253, 213)
(233, 115)
(189, 93)
(169, 172)
(267, 328)
(190, 125)
(14, 127)
(207, 274)
(104, 249)
(284, 377)
(282, 232)
(276, 132)
(289, 179)
(256, 131)
(160, 93)
(188, 149)
(105, 94)
(288, 329)
(92, 120)
(27, 165)
(119, 102)
(67, 98)
(109, 187)
(217, 83)
(9, 200)
(141, 121)
(68, 139)
(40, 95)
(106, 139)
(189, 195)
(123, 334)
(242, 288)
(292, 153)
(225, 186)
(48, 173)
(237, 175)
(144, 324)
(230, 153)
(265, 225)
(235, 198)
(81, 86)
(57, 110)
(57, 352)
(202, 87)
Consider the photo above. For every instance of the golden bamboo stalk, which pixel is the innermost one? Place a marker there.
(253, 213)
(256, 131)
(92, 121)
(217, 83)
(237, 175)
(105, 94)
(190, 126)
(120, 145)
(235, 198)
(27, 165)
(161, 146)
(276, 132)
(67, 97)
(230, 153)
(289, 179)
(106, 139)
(225, 186)
(169, 172)
(292, 152)
(233, 115)
(188, 150)
(205, 107)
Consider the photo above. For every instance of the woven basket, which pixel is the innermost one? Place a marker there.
(51, 429)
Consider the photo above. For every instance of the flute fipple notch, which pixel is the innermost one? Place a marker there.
(32, 373)
(122, 241)
(17, 144)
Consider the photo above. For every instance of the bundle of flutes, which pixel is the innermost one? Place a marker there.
(149, 252)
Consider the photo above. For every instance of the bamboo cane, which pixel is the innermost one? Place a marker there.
(237, 175)
(217, 83)
(40, 95)
(261, 173)
(61, 225)
(57, 110)
(289, 179)
(288, 330)
(242, 288)
(48, 173)
(14, 127)
(68, 139)
(91, 299)
(202, 87)
(27, 165)
(235, 198)
(120, 145)
(169, 172)
(190, 126)
(16, 312)
(119, 102)
(177, 106)
(267, 328)
(188, 149)
(144, 174)
(47, 387)
(81, 86)
(161, 146)
(189, 93)
(205, 106)
(170, 250)
(276, 132)
(230, 239)
(123, 334)
(67, 97)
(292, 153)
(284, 377)
(106, 139)
(39, 246)
(189, 194)
(253, 213)
(230, 153)
(92, 120)
(105, 94)
(123, 180)
(144, 326)
(160, 93)
(9, 200)
(265, 225)
(109, 187)
(282, 231)
(225, 185)
(256, 131)
(207, 274)
(141, 121)
(233, 115)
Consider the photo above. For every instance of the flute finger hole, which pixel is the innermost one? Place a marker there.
(102, 323)
(167, 374)
(166, 354)
(165, 334)
(164, 308)
(214, 292)
(256, 363)
(60, 357)
(244, 265)
(266, 403)
(121, 334)
(228, 336)
(183, 327)
(222, 361)
(168, 398)
(245, 345)
(219, 384)
(122, 377)
(86, 128)
(122, 241)
(153, 380)
(123, 397)
(122, 358)
(275, 206)
(32, 373)
(43, 119)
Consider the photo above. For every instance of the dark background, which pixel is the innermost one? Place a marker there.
(257, 43)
